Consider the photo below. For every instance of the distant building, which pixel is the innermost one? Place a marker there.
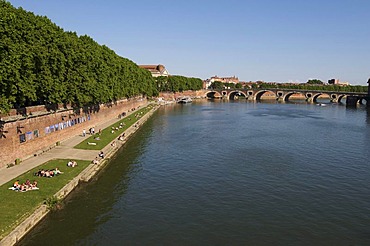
(156, 70)
(333, 81)
(233, 79)
(337, 82)
(207, 83)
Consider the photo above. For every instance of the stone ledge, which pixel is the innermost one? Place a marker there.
(25, 226)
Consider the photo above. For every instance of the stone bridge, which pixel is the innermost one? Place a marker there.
(352, 98)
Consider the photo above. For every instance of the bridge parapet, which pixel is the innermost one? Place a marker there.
(282, 94)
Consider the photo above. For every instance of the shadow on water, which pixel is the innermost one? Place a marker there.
(103, 193)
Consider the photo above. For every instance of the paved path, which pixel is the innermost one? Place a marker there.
(64, 151)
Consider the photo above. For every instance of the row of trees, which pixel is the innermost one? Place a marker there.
(40, 63)
(177, 83)
(218, 85)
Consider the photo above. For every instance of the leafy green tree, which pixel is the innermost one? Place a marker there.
(238, 86)
(217, 85)
(315, 82)
(40, 63)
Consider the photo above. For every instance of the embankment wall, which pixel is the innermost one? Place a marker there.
(34, 130)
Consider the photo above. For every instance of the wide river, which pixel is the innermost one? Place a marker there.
(228, 173)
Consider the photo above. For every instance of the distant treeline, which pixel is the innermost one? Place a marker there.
(178, 83)
(40, 63)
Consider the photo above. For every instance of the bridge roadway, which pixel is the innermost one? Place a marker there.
(284, 94)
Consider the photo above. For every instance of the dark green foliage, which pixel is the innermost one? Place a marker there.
(315, 82)
(178, 83)
(42, 64)
(217, 85)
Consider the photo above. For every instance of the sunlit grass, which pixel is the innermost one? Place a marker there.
(112, 132)
(15, 206)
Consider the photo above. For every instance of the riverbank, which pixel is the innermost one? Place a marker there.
(66, 151)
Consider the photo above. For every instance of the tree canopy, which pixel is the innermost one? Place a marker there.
(40, 63)
(315, 82)
(177, 83)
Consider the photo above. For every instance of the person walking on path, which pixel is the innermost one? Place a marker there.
(84, 132)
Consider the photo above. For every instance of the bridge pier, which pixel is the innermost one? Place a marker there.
(310, 99)
(351, 101)
(334, 98)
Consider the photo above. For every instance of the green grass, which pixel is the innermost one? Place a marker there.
(107, 136)
(17, 206)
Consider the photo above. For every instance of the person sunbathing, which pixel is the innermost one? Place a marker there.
(71, 163)
(34, 185)
(16, 185)
(47, 174)
(57, 171)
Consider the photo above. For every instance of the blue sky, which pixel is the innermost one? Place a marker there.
(269, 40)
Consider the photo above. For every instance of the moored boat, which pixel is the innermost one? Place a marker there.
(184, 100)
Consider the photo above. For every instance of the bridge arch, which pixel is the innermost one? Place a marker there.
(259, 94)
(340, 97)
(213, 94)
(233, 94)
(317, 95)
(289, 94)
(363, 101)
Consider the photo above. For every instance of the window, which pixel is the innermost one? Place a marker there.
(22, 138)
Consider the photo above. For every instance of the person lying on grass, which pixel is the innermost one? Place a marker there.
(71, 163)
(48, 173)
(26, 186)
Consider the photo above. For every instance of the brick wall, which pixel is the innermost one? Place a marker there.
(168, 96)
(17, 126)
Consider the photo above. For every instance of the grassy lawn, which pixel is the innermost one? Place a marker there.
(107, 136)
(15, 206)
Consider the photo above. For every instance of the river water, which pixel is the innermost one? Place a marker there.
(228, 173)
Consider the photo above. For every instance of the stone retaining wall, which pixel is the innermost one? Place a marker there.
(34, 127)
(25, 226)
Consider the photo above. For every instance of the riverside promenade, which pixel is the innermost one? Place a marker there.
(65, 150)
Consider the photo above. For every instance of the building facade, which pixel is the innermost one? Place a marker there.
(156, 70)
(207, 83)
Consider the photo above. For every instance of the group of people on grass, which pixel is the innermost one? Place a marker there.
(26, 186)
(115, 128)
(48, 173)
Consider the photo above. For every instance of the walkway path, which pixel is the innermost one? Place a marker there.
(64, 151)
